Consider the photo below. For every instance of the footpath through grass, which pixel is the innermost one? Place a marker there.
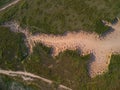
(4, 2)
(59, 16)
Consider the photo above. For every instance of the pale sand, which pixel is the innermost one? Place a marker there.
(99, 47)
(30, 77)
(9, 5)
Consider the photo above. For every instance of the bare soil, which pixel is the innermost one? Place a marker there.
(99, 47)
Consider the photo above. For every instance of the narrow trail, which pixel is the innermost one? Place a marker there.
(25, 75)
(99, 47)
(8, 5)
(29, 76)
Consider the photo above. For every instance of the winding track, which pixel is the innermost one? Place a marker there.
(10, 4)
(26, 75)
(30, 76)
(99, 47)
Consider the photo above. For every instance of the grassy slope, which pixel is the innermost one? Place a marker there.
(7, 83)
(58, 16)
(71, 70)
(12, 49)
(10, 83)
(3, 2)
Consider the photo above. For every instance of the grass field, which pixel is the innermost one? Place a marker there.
(71, 70)
(54, 16)
(4, 2)
(7, 83)
(12, 49)
(59, 16)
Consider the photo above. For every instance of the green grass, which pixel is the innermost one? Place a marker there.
(68, 68)
(4, 2)
(71, 70)
(56, 17)
(7, 83)
(12, 49)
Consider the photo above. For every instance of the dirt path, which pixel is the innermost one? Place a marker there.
(99, 47)
(8, 5)
(26, 75)
(29, 76)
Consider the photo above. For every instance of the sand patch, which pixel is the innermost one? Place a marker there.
(99, 47)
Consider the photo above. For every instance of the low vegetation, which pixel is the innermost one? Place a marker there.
(54, 16)
(58, 16)
(7, 83)
(4, 2)
(71, 70)
(12, 49)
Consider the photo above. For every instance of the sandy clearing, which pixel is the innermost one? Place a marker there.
(8, 5)
(99, 47)
(29, 76)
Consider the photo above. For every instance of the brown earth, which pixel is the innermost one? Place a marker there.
(99, 47)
